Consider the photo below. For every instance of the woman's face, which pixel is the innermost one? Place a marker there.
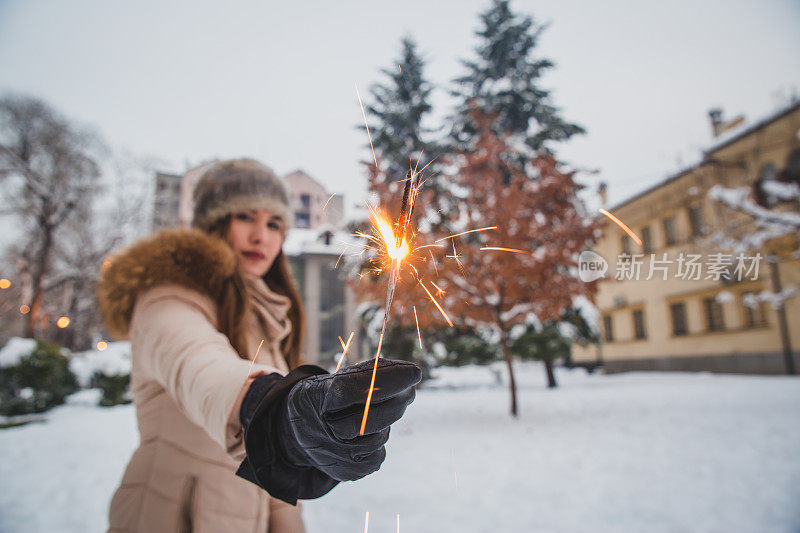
(256, 238)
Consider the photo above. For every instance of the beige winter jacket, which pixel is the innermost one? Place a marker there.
(188, 384)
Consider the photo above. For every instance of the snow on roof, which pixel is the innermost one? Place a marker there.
(718, 144)
(737, 133)
(301, 241)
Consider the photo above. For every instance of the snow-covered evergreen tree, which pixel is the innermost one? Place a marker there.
(396, 114)
(505, 80)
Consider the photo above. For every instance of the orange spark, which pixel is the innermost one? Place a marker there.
(24, 309)
(438, 288)
(419, 335)
(345, 347)
(500, 249)
(329, 199)
(62, 322)
(4, 283)
(371, 385)
(465, 232)
(622, 225)
(394, 249)
(439, 307)
(255, 356)
(363, 114)
(434, 264)
(102, 345)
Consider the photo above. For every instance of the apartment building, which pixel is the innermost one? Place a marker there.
(710, 288)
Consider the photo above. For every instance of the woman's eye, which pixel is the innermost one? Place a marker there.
(274, 225)
(244, 216)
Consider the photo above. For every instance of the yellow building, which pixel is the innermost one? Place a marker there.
(690, 297)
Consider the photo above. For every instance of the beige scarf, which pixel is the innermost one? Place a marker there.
(271, 311)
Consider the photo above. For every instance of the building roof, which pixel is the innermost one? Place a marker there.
(302, 174)
(719, 144)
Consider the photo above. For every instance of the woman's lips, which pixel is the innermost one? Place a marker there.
(254, 256)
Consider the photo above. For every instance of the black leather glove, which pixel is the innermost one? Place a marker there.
(302, 430)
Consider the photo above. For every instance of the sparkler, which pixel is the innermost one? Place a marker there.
(397, 254)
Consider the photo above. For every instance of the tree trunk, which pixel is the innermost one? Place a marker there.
(511, 382)
(37, 282)
(783, 325)
(551, 378)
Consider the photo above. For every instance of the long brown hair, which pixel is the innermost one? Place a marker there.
(233, 304)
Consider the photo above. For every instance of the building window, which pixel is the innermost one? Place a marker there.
(302, 220)
(638, 324)
(793, 167)
(647, 243)
(608, 326)
(678, 312)
(669, 231)
(754, 315)
(626, 245)
(768, 172)
(696, 220)
(305, 201)
(714, 318)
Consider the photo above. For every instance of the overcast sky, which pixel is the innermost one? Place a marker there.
(190, 81)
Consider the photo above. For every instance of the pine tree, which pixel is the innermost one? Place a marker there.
(494, 290)
(396, 114)
(504, 80)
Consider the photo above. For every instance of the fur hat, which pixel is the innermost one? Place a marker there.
(238, 185)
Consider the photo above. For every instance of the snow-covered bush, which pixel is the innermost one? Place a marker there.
(115, 387)
(108, 370)
(33, 380)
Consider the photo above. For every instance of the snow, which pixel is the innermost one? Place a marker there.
(776, 300)
(780, 190)
(114, 360)
(725, 297)
(15, 349)
(589, 312)
(656, 452)
(311, 241)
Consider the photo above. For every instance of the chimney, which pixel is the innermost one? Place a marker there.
(719, 125)
(716, 120)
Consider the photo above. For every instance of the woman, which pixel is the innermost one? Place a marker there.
(227, 445)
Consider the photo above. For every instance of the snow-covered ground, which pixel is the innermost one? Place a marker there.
(627, 452)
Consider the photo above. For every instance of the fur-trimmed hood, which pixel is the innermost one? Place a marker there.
(184, 257)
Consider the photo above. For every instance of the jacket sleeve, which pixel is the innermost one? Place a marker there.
(175, 343)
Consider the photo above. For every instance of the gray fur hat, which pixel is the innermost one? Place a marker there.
(238, 185)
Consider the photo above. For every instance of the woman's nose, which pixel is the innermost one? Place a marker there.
(258, 234)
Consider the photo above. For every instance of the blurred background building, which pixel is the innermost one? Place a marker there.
(740, 197)
(314, 247)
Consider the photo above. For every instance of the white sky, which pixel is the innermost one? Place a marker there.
(189, 81)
